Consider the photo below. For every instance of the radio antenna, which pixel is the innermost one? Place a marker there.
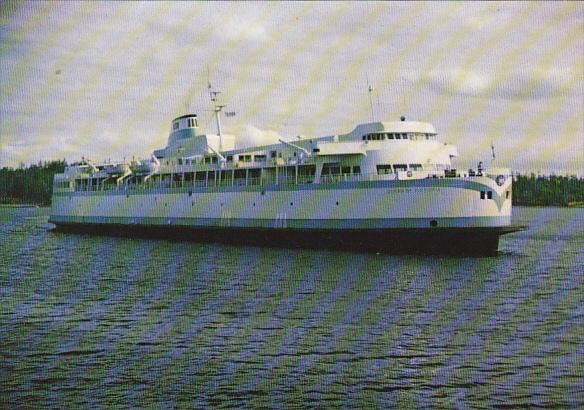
(493, 152)
(370, 89)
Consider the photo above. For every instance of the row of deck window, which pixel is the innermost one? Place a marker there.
(213, 159)
(302, 173)
(337, 169)
(242, 176)
(415, 136)
(383, 169)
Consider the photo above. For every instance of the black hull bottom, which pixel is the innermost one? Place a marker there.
(459, 241)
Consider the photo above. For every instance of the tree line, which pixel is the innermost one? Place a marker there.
(34, 185)
(29, 185)
(552, 190)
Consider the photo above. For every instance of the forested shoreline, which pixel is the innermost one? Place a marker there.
(551, 190)
(29, 185)
(33, 185)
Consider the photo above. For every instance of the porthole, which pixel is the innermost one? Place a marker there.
(433, 223)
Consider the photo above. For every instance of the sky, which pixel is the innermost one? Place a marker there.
(104, 80)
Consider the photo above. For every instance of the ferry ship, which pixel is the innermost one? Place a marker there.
(388, 186)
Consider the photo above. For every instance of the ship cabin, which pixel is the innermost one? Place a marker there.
(380, 150)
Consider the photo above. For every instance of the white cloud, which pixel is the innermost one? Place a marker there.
(249, 136)
(527, 84)
(239, 28)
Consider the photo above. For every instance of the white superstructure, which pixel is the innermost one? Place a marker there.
(385, 177)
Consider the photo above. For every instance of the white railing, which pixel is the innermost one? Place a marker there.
(271, 180)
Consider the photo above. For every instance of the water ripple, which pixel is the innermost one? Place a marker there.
(107, 322)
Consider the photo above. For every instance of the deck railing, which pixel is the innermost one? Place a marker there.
(279, 180)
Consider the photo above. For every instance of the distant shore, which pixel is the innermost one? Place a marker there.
(22, 206)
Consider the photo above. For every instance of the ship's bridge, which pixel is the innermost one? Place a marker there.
(412, 130)
(185, 140)
(183, 127)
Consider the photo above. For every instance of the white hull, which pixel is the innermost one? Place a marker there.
(427, 203)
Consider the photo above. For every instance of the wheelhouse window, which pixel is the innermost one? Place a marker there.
(259, 158)
(400, 167)
(356, 170)
(175, 125)
(376, 136)
(416, 167)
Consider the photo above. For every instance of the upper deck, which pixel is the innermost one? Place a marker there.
(380, 150)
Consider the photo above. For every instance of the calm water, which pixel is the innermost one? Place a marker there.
(101, 322)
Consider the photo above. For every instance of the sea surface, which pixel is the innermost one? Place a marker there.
(102, 322)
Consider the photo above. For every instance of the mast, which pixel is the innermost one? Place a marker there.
(216, 108)
(370, 88)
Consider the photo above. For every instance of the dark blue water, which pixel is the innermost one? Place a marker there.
(116, 322)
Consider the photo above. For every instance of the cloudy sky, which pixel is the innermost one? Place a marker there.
(104, 80)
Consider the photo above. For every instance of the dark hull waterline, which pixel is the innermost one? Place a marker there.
(462, 241)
